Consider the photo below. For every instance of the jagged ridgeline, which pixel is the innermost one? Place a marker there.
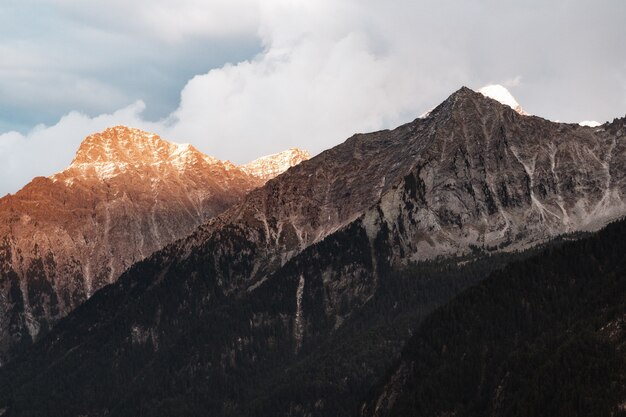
(126, 194)
(295, 301)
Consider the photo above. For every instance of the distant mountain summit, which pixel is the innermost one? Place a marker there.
(126, 194)
(270, 166)
(120, 150)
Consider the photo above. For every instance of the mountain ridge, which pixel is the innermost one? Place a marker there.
(473, 176)
(126, 194)
(269, 166)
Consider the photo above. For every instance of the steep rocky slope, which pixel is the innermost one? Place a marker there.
(126, 194)
(491, 178)
(258, 290)
(543, 337)
(474, 174)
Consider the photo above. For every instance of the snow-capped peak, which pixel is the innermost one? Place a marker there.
(270, 166)
(501, 94)
(122, 149)
(119, 149)
(590, 123)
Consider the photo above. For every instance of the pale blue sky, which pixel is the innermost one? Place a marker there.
(57, 58)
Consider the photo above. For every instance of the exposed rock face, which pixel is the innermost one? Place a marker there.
(311, 248)
(473, 174)
(268, 167)
(126, 194)
(489, 177)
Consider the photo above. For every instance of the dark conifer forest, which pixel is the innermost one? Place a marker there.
(541, 337)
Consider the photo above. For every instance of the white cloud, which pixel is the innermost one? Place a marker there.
(328, 69)
(46, 150)
(62, 55)
(512, 82)
(169, 20)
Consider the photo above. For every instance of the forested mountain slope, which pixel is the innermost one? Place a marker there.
(542, 337)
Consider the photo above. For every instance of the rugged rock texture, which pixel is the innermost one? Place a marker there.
(126, 194)
(474, 174)
(200, 326)
(490, 178)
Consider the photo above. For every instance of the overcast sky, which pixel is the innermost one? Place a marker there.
(244, 78)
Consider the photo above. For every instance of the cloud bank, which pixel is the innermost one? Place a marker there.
(326, 69)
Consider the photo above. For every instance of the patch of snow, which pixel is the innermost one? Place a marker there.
(590, 123)
(425, 114)
(270, 166)
(501, 94)
(181, 155)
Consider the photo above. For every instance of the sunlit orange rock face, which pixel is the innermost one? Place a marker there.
(270, 166)
(126, 194)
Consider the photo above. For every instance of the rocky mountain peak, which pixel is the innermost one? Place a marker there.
(457, 103)
(116, 144)
(270, 166)
(465, 101)
(118, 149)
(126, 194)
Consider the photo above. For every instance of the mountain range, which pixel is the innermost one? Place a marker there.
(126, 194)
(299, 298)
